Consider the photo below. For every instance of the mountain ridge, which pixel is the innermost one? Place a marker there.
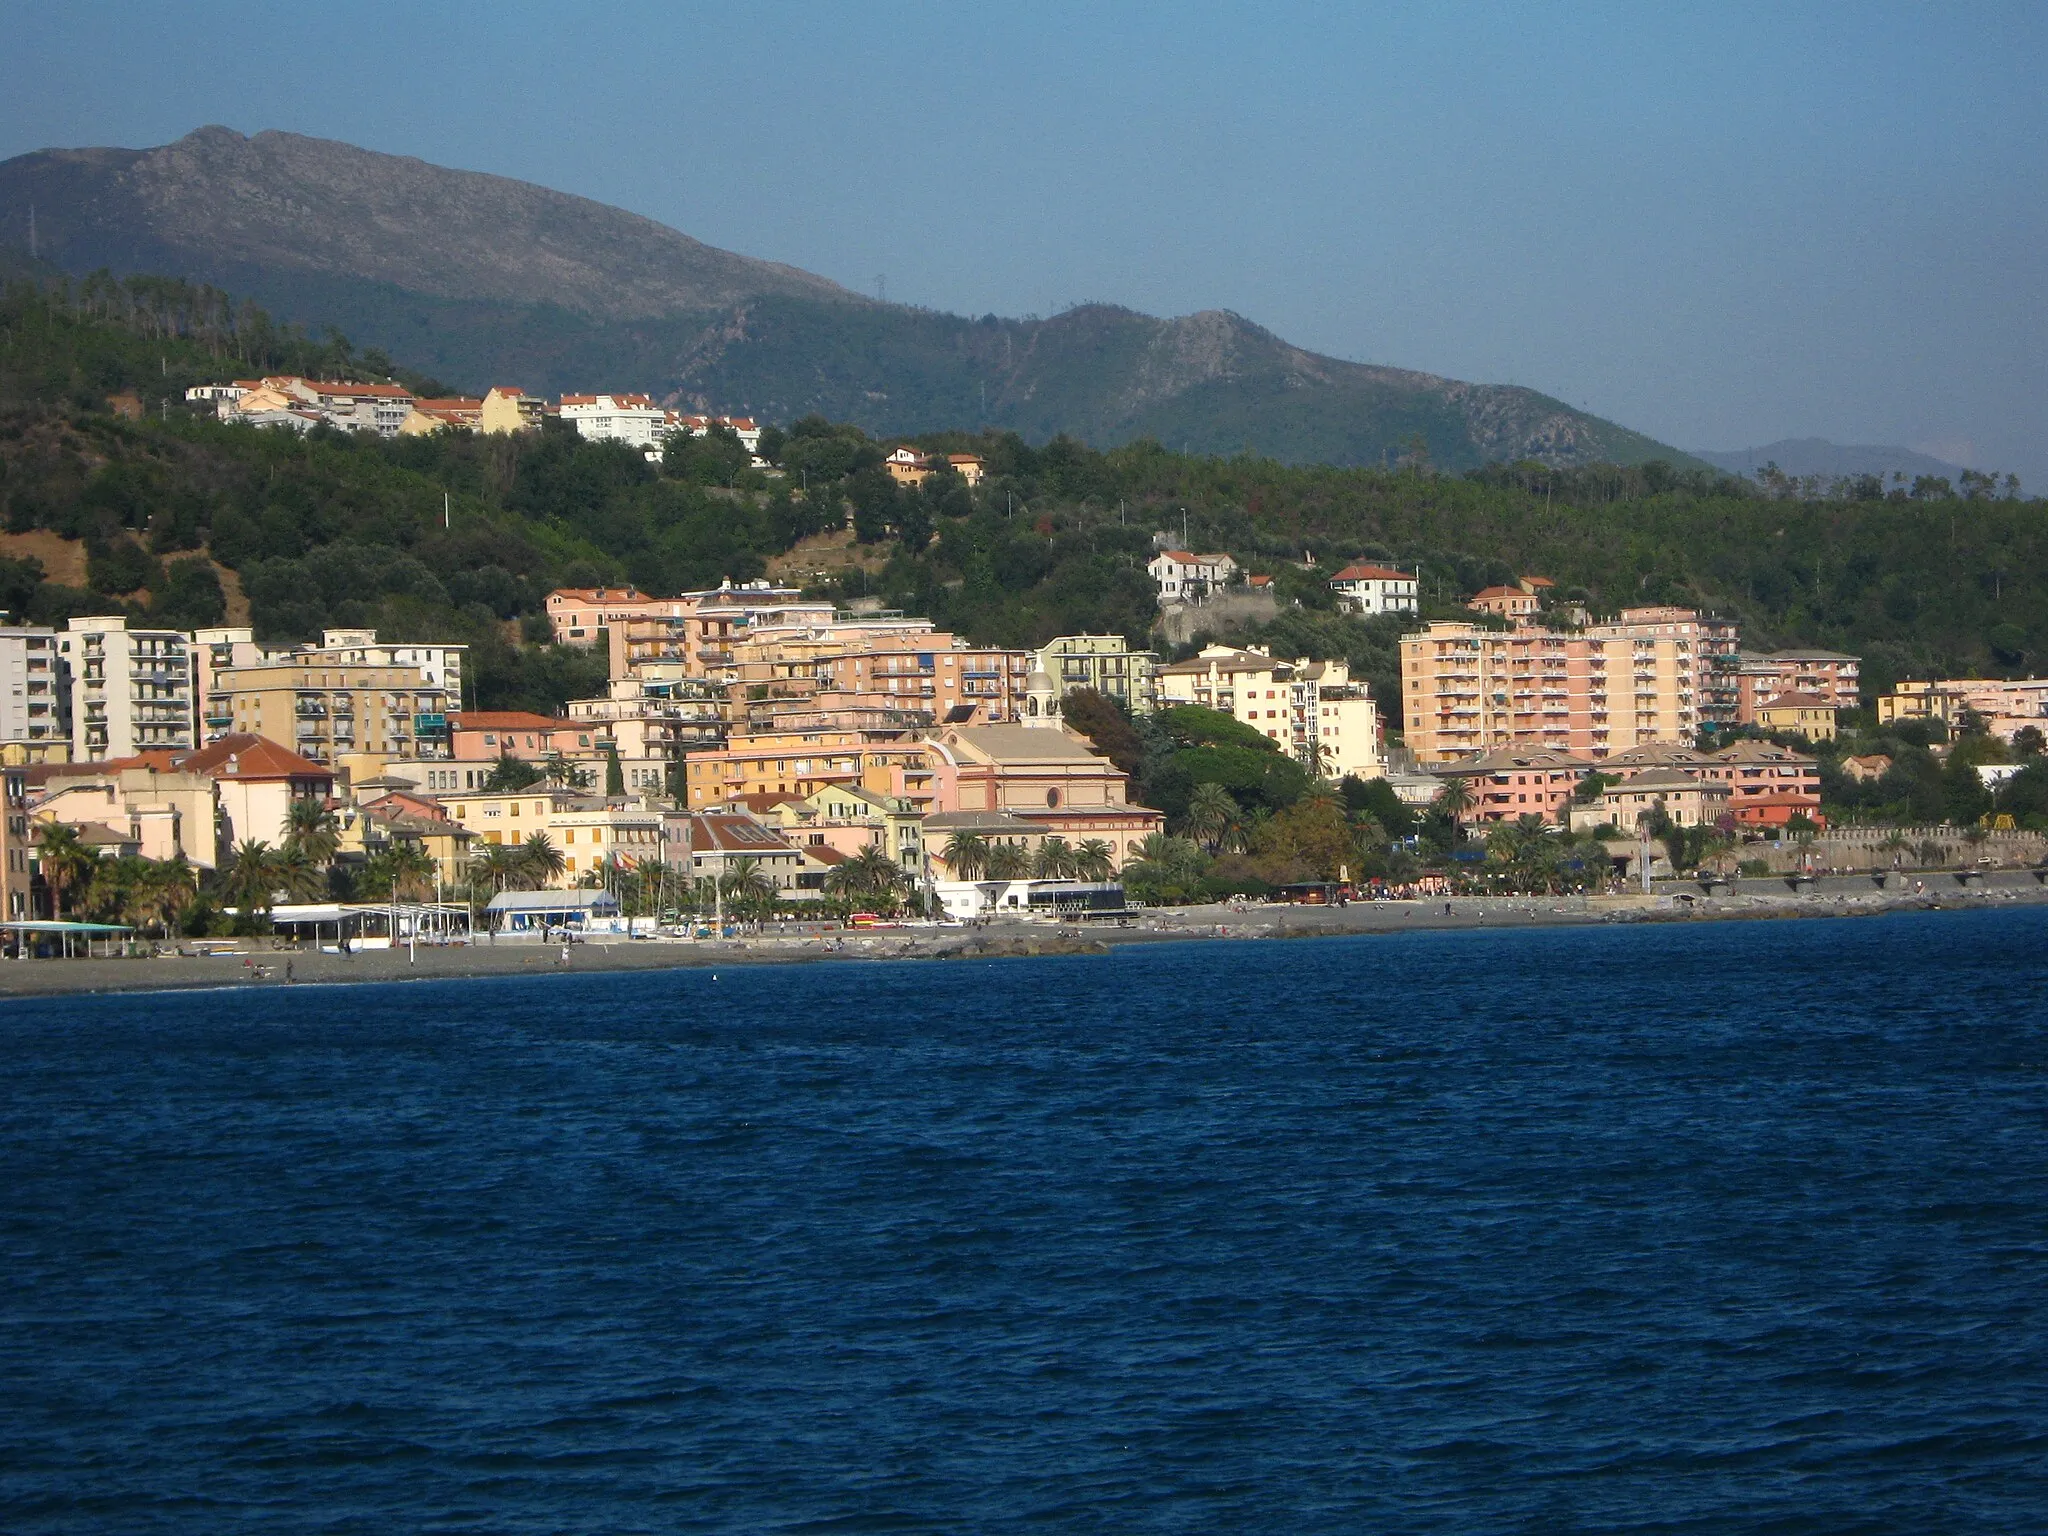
(484, 279)
(1819, 456)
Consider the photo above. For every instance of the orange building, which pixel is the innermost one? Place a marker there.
(1468, 690)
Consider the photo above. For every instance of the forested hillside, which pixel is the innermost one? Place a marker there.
(330, 528)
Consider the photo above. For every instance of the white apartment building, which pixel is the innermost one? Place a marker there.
(1371, 589)
(1312, 709)
(1182, 577)
(35, 693)
(132, 690)
(633, 419)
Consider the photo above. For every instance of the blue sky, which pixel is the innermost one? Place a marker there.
(1718, 224)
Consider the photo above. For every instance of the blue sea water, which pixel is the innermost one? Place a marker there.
(1715, 1228)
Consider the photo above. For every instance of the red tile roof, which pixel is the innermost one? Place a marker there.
(241, 756)
(1372, 573)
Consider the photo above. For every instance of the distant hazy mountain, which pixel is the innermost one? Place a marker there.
(1818, 456)
(480, 279)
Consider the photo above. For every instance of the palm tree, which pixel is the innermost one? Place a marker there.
(252, 877)
(298, 875)
(311, 830)
(1094, 860)
(1455, 798)
(171, 887)
(871, 872)
(1212, 812)
(557, 769)
(1056, 859)
(399, 872)
(966, 855)
(1008, 861)
(540, 860)
(64, 860)
(747, 887)
(496, 865)
(1158, 848)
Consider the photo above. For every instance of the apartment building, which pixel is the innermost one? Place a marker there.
(1510, 783)
(1687, 799)
(1827, 675)
(631, 419)
(256, 782)
(132, 690)
(325, 710)
(439, 664)
(17, 849)
(707, 845)
(955, 682)
(215, 652)
(2007, 705)
(1515, 603)
(1767, 784)
(578, 613)
(1314, 710)
(505, 409)
(35, 696)
(1371, 589)
(1105, 663)
(1803, 714)
(884, 760)
(585, 829)
(1591, 692)
(1345, 740)
(160, 809)
(848, 820)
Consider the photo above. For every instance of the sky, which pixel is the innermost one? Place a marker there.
(1718, 224)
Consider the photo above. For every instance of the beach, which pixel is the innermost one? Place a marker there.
(262, 962)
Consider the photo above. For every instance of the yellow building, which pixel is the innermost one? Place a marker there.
(325, 709)
(509, 410)
(800, 763)
(847, 820)
(587, 832)
(1808, 714)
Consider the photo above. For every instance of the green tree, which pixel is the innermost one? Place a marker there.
(509, 773)
(63, 860)
(1008, 861)
(251, 878)
(1212, 815)
(540, 861)
(399, 871)
(1094, 859)
(1056, 860)
(966, 855)
(311, 831)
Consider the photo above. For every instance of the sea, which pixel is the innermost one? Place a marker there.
(1700, 1227)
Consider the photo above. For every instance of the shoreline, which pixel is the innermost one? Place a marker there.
(261, 966)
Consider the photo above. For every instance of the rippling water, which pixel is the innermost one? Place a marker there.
(1733, 1227)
